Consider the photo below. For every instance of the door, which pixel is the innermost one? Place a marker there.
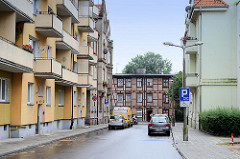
(39, 118)
(149, 112)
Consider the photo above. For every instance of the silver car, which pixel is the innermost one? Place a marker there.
(159, 125)
(117, 121)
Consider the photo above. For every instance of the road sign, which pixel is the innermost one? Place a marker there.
(106, 101)
(94, 98)
(184, 97)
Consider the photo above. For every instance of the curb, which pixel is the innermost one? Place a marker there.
(175, 145)
(50, 142)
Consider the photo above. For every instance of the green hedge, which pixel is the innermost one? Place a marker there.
(221, 121)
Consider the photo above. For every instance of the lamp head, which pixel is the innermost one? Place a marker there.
(199, 43)
(168, 44)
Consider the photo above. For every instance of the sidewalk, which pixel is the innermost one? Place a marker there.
(203, 146)
(13, 145)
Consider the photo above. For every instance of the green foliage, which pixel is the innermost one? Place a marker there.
(153, 63)
(173, 91)
(221, 121)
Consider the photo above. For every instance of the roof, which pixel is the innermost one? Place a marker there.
(141, 75)
(99, 8)
(209, 3)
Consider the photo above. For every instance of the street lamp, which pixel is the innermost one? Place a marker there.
(184, 47)
(173, 108)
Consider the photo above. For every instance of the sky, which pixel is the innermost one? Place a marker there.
(140, 26)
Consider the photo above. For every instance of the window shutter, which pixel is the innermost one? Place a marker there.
(32, 94)
(8, 85)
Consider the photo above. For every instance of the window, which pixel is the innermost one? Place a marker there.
(83, 99)
(149, 82)
(149, 98)
(139, 82)
(36, 6)
(84, 42)
(109, 78)
(120, 97)
(139, 98)
(4, 89)
(61, 97)
(40, 90)
(165, 83)
(128, 82)
(30, 93)
(128, 97)
(109, 58)
(139, 113)
(48, 96)
(79, 95)
(35, 45)
(75, 98)
(165, 98)
(120, 82)
(103, 74)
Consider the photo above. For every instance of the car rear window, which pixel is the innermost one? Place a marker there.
(159, 120)
(112, 117)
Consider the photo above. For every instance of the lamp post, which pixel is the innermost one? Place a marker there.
(173, 108)
(184, 47)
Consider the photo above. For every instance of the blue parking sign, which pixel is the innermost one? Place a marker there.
(184, 94)
(106, 101)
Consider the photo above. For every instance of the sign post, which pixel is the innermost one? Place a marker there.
(94, 98)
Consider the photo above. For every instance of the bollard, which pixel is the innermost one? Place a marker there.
(232, 139)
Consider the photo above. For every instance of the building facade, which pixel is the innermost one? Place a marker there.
(145, 94)
(212, 70)
(48, 65)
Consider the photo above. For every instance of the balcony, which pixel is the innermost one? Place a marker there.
(69, 78)
(86, 24)
(192, 80)
(83, 80)
(67, 8)
(91, 2)
(23, 8)
(92, 36)
(68, 43)
(47, 68)
(86, 52)
(192, 50)
(95, 12)
(49, 25)
(13, 58)
(92, 83)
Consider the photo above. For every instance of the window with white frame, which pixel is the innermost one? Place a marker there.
(109, 78)
(36, 6)
(165, 83)
(139, 82)
(48, 96)
(120, 97)
(61, 97)
(120, 82)
(109, 57)
(4, 89)
(34, 43)
(165, 98)
(75, 98)
(139, 98)
(149, 82)
(139, 113)
(40, 90)
(128, 82)
(79, 95)
(30, 93)
(128, 97)
(149, 98)
(83, 99)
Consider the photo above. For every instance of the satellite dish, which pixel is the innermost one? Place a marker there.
(105, 51)
(187, 8)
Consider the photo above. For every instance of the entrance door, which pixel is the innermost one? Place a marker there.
(149, 112)
(39, 118)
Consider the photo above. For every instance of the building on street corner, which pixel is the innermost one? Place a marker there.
(145, 94)
(48, 65)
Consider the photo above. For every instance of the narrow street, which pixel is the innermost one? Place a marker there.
(118, 144)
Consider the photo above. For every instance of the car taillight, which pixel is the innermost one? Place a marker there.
(122, 121)
(150, 124)
(167, 125)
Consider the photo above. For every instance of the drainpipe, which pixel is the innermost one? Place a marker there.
(200, 62)
(72, 121)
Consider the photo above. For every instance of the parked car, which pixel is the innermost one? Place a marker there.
(117, 121)
(161, 115)
(135, 120)
(126, 112)
(159, 125)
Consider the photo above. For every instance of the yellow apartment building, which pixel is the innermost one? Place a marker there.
(48, 65)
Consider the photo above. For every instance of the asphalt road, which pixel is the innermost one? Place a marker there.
(130, 143)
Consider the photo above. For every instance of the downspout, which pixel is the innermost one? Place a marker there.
(72, 121)
(200, 62)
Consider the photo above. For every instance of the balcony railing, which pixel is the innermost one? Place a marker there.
(192, 50)
(69, 77)
(91, 2)
(67, 8)
(95, 12)
(23, 8)
(83, 79)
(93, 36)
(86, 24)
(47, 68)
(49, 25)
(192, 80)
(13, 58)
(86, 52)
(68, 42)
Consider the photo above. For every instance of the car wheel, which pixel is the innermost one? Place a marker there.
(149, 133)
(168, 133)
(109, 127)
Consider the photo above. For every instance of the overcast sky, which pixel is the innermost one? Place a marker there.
(139, 26)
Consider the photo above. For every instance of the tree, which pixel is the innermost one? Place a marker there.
(173, 93)
(153, 63)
